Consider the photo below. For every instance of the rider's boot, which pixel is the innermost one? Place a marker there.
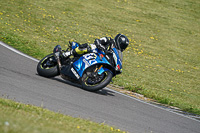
(57, 50)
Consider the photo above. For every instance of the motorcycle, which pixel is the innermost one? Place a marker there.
(93, 71)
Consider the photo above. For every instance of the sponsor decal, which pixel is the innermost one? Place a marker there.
(120, 61)
(86, 63)
(75, 73)
(107, 57)
(117, 61)
(115, 58)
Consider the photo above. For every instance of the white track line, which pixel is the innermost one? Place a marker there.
(18, 52)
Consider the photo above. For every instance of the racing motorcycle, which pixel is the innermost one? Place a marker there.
(93, 71)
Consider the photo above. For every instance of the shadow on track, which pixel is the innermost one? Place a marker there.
(100, 92)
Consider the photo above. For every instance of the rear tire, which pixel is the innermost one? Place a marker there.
(91, 84)
(47, 67)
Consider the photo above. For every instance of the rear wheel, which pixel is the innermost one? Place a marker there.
(47, 67)
(92, 81)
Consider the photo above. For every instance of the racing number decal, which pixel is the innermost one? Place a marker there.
(90, 58)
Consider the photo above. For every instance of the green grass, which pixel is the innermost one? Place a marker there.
(21, 118)
(162, 61)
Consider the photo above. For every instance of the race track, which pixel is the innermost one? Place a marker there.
(19, 81)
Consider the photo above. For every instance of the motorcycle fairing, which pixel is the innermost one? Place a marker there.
(69, 71)
(88, 60)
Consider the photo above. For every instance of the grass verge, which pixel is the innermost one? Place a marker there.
(21, 118)
(162, 61)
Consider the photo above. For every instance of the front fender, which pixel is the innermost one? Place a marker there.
(103, 69)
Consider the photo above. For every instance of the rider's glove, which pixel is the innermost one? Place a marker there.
(97, 42)
(104, 40)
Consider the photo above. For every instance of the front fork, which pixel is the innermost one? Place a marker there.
(59, 64)
(98, 68)
(57, 50)
(57, 56)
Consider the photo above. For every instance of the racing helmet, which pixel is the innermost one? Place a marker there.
(121, 42)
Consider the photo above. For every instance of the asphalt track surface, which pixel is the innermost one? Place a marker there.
(19, 81)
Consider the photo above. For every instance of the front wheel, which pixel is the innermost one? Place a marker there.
(92, 81)
(47, 67)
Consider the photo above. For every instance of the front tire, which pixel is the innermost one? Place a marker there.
(48, 67)
(91, 83)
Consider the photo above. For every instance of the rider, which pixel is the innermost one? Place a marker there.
(120, 42)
